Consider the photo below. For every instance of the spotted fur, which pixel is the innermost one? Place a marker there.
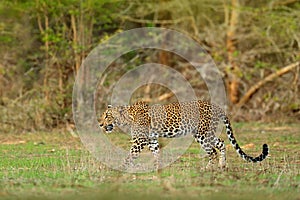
(148, 123)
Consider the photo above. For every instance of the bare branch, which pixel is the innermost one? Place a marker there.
(269, 78)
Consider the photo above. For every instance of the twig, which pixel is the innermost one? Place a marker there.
(278, 179)
(284, 3)
(27, 93)
(162, 22)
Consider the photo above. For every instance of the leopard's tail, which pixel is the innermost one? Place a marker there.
(261, 157)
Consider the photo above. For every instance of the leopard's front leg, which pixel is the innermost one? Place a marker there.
(138, 144)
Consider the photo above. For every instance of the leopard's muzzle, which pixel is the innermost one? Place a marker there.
(109, 128)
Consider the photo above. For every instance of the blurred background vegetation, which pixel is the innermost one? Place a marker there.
(256, 45)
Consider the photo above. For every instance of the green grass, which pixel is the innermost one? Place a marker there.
(56, 165)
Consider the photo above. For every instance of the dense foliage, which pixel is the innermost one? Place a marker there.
(43, 43)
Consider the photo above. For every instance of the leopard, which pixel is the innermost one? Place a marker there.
(149, 122)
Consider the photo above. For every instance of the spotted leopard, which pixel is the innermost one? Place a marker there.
(198, 118)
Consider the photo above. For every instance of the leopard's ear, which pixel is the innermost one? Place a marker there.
(109, 106)
(140, 103)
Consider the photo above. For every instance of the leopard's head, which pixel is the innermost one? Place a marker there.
(107, 119)
(114, 116)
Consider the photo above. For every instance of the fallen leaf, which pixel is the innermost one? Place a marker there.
(276, 144)
(248, 146)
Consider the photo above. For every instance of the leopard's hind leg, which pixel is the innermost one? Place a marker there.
(212, 145)
(220, 146)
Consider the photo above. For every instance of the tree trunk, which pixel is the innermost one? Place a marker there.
(234, 70)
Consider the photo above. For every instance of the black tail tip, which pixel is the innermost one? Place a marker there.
(265, 149)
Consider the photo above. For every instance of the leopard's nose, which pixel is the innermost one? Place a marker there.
(109, 127)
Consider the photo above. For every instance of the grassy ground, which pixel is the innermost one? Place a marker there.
(55, 165)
